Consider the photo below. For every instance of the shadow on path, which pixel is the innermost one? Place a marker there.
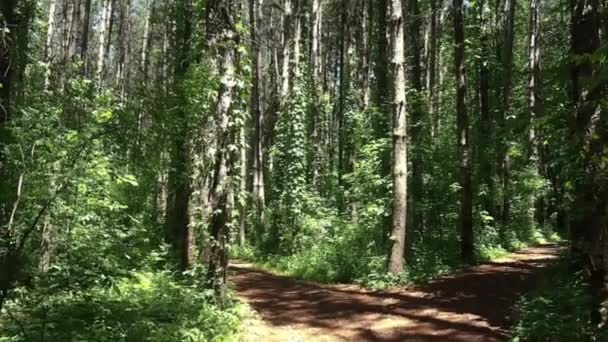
(472, 305)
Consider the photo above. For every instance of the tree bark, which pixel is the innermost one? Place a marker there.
(381, 96)
(487, 133)
(223, 38)
(177, 223)
(396, 27)
(256, 15)
(419, 122)
(84, 43)
(7, 52)
(431, 63)
(106, 11)
(462, 125)
(48, 48)
(589, 224)
(146, 39)
(6, 61)
(504, 159)
(286, 50)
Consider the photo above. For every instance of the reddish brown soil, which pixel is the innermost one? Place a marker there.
(473, 305)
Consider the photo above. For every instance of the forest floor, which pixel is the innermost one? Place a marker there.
(473, 305)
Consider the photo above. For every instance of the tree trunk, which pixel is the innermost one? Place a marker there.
(431, 63)
(48, 48)
(106, 11)
(7, 262)
(344, 69)
(486, 134)
(74, 37)
(256, 15)
(286, 52)
(222, 38)
(504, 160)
(177, 222)
(84, 44)
(419, 124)
(6, 70)
(397, 66)
(297, 37)
(535, 147)
(146, 40)
(316, 67)
(462, 125)
(589, 224)
(382, 60)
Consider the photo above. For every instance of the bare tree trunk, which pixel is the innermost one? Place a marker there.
(504, 159)
(486, 136)
(242, 184)
(48, 48)
(381, 69)
(285, 79)
(419, 124)
(316, 50)
(441, 64)
(146, 39)
(74, 36)
(462, 123)
(366, 54)
(344, 77)
(84, 44)
(431, 63)
(397, 67)
(178, 231)
(534, 86)
(106, 11)
(256, 14)
(125, 52)
(297, 37)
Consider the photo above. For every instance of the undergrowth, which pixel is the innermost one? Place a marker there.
(559, 310)
(144, 307)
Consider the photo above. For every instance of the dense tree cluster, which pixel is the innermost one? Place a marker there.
(357, 140)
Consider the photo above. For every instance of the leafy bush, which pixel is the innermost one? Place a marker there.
(558, 310)
(144, 307)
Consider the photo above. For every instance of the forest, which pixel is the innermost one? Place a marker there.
(188, 170)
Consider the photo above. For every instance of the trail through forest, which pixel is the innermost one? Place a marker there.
(472, 305)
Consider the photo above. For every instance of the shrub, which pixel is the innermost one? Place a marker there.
(144, 307)
(558, 311)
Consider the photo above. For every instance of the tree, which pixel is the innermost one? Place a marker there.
(589, 226)
(104, 36)
(223, 40)
(399, 113)
(256, 15)
(177, 225)
(506, 60)
(7, 24)
(462, 133)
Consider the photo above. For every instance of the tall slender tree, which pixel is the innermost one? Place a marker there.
(462, 132)
(396, 27)
(177, 225)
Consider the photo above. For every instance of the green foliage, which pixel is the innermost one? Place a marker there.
(289, 179)
(146, 306)
(559, 310)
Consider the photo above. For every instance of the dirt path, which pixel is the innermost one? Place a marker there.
(473, 305)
